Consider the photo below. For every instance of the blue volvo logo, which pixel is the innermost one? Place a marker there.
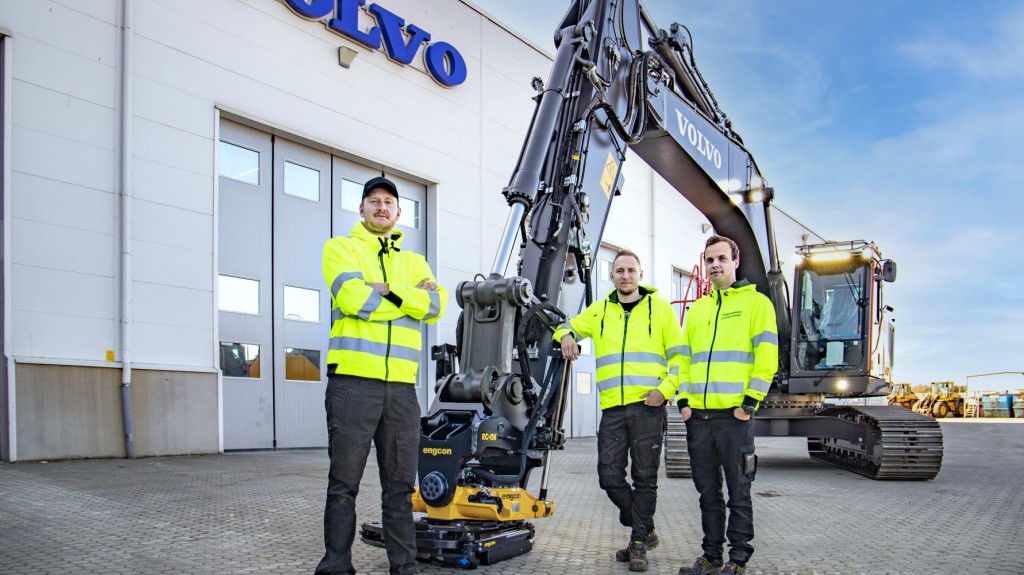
(444, 63)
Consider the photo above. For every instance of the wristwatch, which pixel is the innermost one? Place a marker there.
(748, 409)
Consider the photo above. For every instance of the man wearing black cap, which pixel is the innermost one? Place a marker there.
(381, 296)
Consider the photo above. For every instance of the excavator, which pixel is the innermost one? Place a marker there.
(618, 83)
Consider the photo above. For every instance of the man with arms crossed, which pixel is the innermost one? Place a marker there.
(381, 297)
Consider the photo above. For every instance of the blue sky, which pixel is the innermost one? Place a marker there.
(896, 121)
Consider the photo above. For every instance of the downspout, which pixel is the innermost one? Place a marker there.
(126, 228)
(10, 434)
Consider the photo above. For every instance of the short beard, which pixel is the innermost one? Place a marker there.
(375, 229)
(626, 293)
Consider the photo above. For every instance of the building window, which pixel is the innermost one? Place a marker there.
(301, 304)
(410, 217)
(238, 295)
(351, 196)
(239, 163)
(301, 182)
(239, 359)
(301, 364)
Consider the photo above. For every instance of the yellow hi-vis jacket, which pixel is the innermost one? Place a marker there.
(732, 348)
(635, 353)
(377, 336)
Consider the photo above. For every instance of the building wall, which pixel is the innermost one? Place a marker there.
(258, 62)
(73, 411)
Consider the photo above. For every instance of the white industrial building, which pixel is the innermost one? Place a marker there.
(171, 169)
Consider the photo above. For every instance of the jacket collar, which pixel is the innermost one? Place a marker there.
(360, 232)
(645, 291)
(740, 285)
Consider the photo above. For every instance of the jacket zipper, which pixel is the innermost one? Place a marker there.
(387, 353)
(622, 360)
(711, 350)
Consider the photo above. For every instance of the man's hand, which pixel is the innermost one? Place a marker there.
(426, 284)
(653, 398)
(686, 412)
(380, 287)
(739, 414)
(570, 350)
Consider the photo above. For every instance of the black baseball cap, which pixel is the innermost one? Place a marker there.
(380, 182)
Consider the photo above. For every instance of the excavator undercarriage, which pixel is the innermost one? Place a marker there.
(878, 442)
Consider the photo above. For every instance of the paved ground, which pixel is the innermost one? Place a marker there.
(261, 513)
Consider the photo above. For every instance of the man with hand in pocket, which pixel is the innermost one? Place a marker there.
(732, 354)
(638, 348)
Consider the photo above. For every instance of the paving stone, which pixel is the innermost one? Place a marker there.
(262, 513)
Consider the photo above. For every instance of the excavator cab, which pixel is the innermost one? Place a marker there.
(842, 331)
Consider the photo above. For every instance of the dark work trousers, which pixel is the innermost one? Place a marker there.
(360, 410)
(634, 433)
(719, 442)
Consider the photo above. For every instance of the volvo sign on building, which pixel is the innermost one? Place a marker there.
(399, 40)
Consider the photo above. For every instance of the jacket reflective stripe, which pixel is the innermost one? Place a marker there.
(680, 349)
(341, 279)
(435, 305)
(765, 337)
(375, 348)
(630, 357)
(628, 381)
(407, 322)
(337, 315)
(732, 356)
(370, 305)
(730, 387)
(760, 384)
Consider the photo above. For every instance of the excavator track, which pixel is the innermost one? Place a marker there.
(677, 458)
(898, 444)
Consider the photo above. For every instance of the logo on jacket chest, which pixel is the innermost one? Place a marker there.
(731, 314)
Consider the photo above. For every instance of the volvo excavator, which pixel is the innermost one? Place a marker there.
(619, 82)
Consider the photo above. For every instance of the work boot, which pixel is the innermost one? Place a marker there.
(622, 555)
(732, 568)
(702, 566)
(637, 556)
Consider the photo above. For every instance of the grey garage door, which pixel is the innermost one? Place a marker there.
(279, 201)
